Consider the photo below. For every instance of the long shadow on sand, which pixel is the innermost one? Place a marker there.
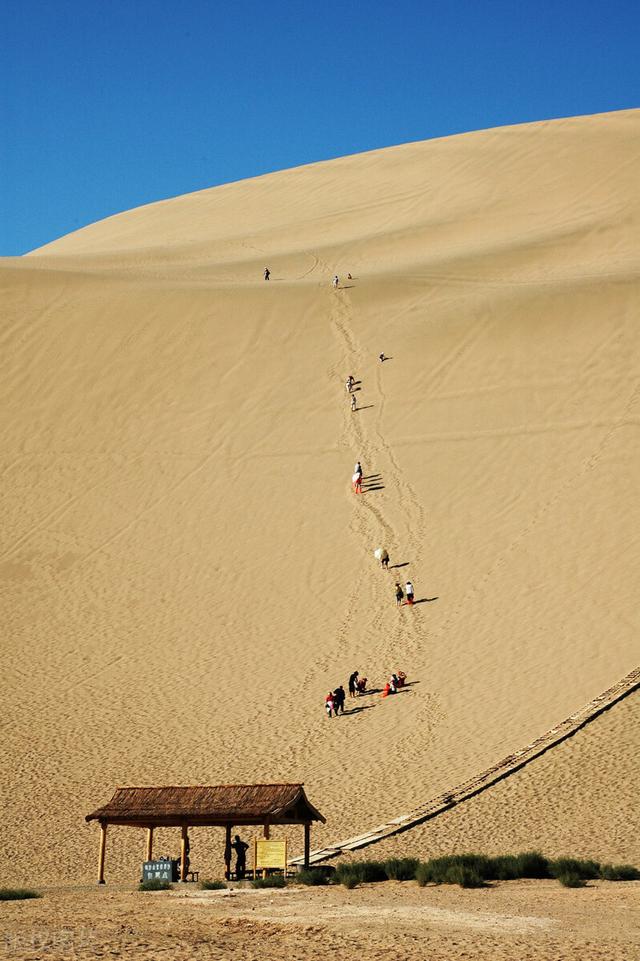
(425, 600)
(394, 567)
(356, 710)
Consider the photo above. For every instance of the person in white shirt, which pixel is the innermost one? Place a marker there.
(408, 589)
(336, 281)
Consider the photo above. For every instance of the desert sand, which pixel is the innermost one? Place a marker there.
(186, 570)
(515, 921)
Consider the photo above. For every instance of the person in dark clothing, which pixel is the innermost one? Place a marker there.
(353, 683)
(267, 273)
(338, 700)
(240, 847)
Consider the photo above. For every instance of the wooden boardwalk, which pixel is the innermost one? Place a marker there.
(505, 767)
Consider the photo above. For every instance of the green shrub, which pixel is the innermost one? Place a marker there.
(369, 871)
(18, 894)
(423, 874)
(587, 870)
(571, 879)
(312, 877)
(364, 872)
(465, 876)
(438, 870)
(350, 881)
(619, 872)
(271, 881)
(401, 869)
(213, 885)
(532, 864)
(505, 868)
(154, 884)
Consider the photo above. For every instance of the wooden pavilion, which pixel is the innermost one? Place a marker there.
(219, 805)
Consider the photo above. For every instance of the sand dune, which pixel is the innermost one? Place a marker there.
(185, 569)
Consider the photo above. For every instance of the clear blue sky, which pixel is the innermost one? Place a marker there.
(109, 104)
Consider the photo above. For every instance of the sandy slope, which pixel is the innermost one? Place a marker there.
(185, 570)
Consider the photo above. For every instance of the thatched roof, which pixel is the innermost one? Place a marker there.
(216, 804)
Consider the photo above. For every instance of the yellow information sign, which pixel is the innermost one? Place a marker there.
(270, 854)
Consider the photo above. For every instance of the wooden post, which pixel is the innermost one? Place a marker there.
(149, 851)
(183, 852)
(103, 848)
(266, 833)
(227, 853)
(307, 844)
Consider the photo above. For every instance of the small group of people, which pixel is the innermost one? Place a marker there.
(334, 702)
(349, 385)
(395, 682)
(357, 685)
(400, 594)
(382, 554)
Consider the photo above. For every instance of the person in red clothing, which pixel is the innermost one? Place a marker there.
(329, 704)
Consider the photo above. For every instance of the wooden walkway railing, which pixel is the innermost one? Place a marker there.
(505, 767)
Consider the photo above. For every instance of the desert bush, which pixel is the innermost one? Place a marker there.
(213, 885)
(401, 869)
(311, 877)
(527, 864)
(505, 868)
(438, 870)
(532, 864)
(154, 884)
(587, 870)
(571, 879)
(423, 874)
(619, 872)
(18, 894)
(364, 872)
(369, 871)
(350, 881)
(465, 876)
(271, 881)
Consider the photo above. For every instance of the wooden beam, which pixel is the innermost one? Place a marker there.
(227, 853)
(149, 850)
(307, 844)
(103, 848)
(266, 830)
(183, 852)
